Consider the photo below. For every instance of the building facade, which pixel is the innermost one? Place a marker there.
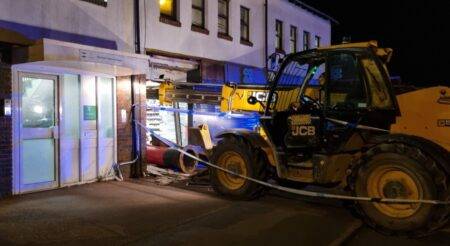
(226, 40)
(71, 71)
(67, 72)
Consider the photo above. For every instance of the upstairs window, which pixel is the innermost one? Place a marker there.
(223, 17)
(198, 13)
(167, 9)
(103, 3)
(306, 40)
(245, 24)
(293, 39)
(317, 41)
(278, 35)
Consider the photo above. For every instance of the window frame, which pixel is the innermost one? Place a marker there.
(203, 11)
(279, 35)
(245, 24)
(306, 40)
(293, 40)
(174, 15)
(317, 40)
(359, 72)
(103, 3)
(227, 18)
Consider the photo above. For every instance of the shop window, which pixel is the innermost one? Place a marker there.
(245, 26)
(103, 3)
(223, 18)
(293, 39)
(306, 40)
(278, 35)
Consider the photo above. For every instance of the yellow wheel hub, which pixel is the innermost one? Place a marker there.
(234, 162)
(388, 182)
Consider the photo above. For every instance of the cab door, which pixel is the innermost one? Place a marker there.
(346, 98)
(295, 122)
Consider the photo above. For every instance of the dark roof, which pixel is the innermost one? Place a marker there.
(314, 10)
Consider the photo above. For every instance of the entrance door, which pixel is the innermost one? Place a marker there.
(38, 131)
(89, 134)
(105, 123)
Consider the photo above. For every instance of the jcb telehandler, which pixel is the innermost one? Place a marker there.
(330, 117)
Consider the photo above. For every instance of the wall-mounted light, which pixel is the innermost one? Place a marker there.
(6, 108)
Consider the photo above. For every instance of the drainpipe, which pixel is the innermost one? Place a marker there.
(266, 27)
(137, 27)
(136, 167)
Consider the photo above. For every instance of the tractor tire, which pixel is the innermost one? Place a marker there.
(237, 155)
(399, 170)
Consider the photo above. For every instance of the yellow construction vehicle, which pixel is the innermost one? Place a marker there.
(330, 117)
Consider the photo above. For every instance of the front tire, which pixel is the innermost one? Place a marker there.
(237, 155)
(396, 170)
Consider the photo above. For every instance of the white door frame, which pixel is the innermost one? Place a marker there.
(37, 132)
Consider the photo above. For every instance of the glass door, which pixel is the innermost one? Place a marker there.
(38, 131)
(105, 123)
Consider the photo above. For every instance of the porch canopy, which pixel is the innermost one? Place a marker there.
(56, 54)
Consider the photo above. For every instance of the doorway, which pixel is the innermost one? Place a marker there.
(67, 130)
(38, 132)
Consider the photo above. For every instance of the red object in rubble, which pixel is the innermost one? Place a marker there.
(155, 155)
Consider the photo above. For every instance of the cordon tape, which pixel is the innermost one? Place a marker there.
(302, 192)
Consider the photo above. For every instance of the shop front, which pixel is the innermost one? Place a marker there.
(65, 113)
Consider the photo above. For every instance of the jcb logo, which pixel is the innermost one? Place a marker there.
(443, 123)
(304, 131)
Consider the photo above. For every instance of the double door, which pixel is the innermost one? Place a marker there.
(67, 130)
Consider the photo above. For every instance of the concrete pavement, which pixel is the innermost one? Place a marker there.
(141, 213)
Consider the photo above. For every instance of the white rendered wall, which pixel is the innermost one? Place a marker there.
(181, 40)
(115, 22)
(304, 20)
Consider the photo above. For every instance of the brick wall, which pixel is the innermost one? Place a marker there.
(5, 135)
(124, 129)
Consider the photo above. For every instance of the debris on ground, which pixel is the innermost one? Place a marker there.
(164, 177)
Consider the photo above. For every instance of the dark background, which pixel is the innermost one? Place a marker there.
(417, 31)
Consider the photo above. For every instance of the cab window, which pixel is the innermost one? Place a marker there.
(379, 94)
(345, 86)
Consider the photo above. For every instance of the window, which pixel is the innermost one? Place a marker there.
(306, 38)
(379, 92)
(103, 3)
(317, 41)
(167, 8)
(223, 17)
(293, 39)
(278, 35)
(345, 87)
(245, 24)
(198, 13)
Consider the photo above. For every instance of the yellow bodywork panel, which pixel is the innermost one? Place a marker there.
(423, 115)
(163, 88)
(235, 98)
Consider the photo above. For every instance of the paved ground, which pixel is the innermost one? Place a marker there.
(129, 213)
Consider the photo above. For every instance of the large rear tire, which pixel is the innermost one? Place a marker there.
(396, 170)
(237, 155)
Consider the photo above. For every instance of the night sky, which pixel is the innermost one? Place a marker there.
(417, 31)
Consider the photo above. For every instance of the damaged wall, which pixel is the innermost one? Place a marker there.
(124, 128)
